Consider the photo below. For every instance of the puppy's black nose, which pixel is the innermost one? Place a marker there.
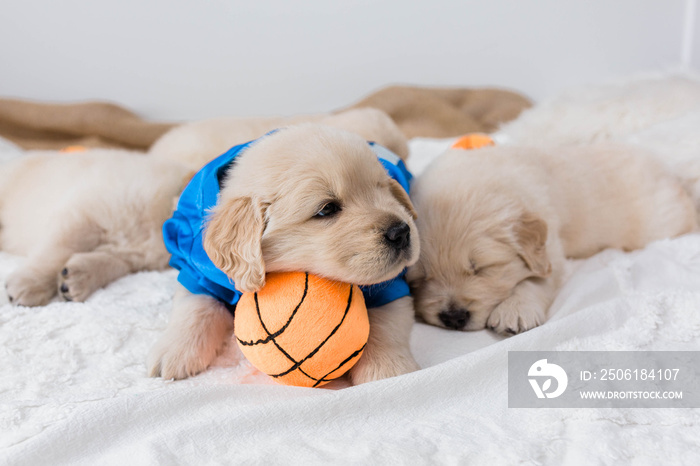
(454, 318)
(398, 236)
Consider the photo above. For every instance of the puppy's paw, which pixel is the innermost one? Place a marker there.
(27, 287)
(77, 280)
(387, 364)
(198, 331)
(172, 359)
(513, 316)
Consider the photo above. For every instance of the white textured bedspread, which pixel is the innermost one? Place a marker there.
(73, 385)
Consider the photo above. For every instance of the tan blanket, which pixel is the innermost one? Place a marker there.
(427, 112)
(445, 112)
(33, 125)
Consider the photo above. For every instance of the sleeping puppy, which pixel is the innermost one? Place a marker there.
(83, 220)
(304, 198)
(497, 224)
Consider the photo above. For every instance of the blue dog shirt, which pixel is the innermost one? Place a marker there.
(182, 233)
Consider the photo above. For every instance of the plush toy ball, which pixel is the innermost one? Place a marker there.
(302, 329)
(473, 141)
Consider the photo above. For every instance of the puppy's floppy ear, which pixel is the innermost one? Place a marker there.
(530, 236)
(232, 240)
(402, 196)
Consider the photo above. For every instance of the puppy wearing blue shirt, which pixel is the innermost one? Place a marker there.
(304, 198)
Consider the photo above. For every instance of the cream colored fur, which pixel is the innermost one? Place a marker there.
(84, 220)
(266, 221)
(195, 144)
(497, 223)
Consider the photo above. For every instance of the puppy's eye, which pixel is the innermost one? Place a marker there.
(328, 210)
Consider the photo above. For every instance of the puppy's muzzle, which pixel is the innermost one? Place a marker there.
(398, 236)
(454, 318)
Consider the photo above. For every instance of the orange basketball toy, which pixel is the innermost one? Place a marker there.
(302, 329)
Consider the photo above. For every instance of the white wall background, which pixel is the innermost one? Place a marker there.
(175, 59)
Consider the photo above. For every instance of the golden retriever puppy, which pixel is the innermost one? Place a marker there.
(304, 198)
(83, 220)
(497, 223)
(195, 144)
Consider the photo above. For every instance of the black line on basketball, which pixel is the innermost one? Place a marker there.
(349, 358)
(295, 364)
(311, 354)
(284, 327)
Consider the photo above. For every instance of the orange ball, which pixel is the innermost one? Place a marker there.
(302, 329)
(473, 141)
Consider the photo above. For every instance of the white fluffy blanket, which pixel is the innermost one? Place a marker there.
(73, 387)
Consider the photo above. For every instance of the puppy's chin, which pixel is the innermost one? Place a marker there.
(374, 279)
(391, 268)
(361, 278)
